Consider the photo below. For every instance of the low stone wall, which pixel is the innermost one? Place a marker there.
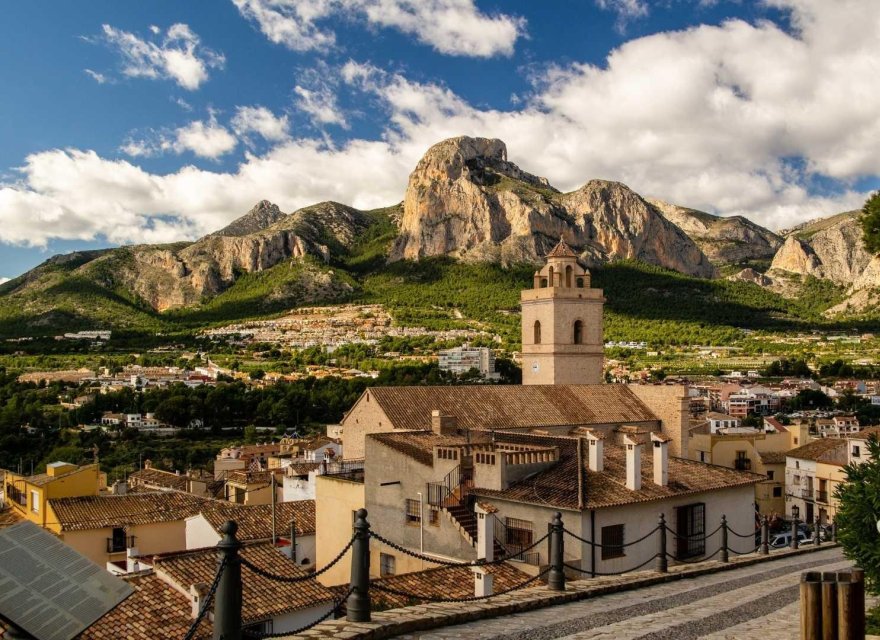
(393, 622)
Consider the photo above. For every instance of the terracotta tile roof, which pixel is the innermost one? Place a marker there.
(241, 476)
(562, 250)
(512, 406)
(443, 582)
(154, 610)
(558, 486)
(701, 428)
(773, 457)
(821, 450)
(98, 512)
(262, 598)
(255, 521)
(42, 479)
(302, 468)
(158, 478)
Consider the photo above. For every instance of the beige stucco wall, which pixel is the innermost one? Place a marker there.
(335, 501)
(366, 416)
(159, 537)
(670, 403)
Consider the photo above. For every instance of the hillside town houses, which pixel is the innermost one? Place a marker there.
(451, 473)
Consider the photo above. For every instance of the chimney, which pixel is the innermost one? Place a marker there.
(661, 458)
(443, 425)
(485, 531)
(633, 463)
(197, 593)
(148, 464)
(597, 450)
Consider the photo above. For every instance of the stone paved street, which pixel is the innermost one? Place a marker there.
(747, 603)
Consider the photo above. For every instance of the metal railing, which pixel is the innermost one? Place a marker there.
(452, 490)
(742, 464)
(119, 545)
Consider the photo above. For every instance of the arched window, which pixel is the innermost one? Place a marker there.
(543, 282)
(550, 274)
(580, 283)
(578, 332)
(537, 332)
(568, 276)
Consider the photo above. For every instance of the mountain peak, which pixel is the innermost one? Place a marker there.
(264, 214)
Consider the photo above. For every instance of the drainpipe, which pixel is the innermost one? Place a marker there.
(421, 523)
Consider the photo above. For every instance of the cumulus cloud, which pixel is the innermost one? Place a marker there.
(735, 119)
(178, 55)
(261, 121)
(626, 10)
(452, 27)
(3, 280)
(206, 139)
(319, 103)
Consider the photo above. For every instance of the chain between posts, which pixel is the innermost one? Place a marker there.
(415, 596)
(309, 576)
(190, 634)
(334, 611)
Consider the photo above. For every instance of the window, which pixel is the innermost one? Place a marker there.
(580, 283)
(413, 512)
(795, 440)
(117, 542)
(520, 534)
(770, 474)
(386, 565)
(537, 332)
(578, 332)
(777, 492)
(568, 276)
(35, 501)
(434, 516)
(857, 451)
(703, 456)
(690, 524)
(552, 279)
(612, 542)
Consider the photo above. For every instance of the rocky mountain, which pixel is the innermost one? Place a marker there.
(263, 215)
(465, 199)
(724, 240)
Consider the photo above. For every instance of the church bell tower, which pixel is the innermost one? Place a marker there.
(562, 323)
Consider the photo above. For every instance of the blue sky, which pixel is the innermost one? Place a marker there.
(152, 122)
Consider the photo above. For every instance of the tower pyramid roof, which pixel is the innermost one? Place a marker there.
(562, 250)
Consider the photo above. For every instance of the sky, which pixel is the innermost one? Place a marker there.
(160, 121)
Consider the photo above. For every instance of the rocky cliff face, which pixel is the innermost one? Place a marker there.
(724, 240)
(170, 277)
(465, 199)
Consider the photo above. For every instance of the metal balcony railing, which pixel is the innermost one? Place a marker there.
(742, 464)
(120, 544)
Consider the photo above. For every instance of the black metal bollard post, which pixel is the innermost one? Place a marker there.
(556, 576)
(765, 536)
(817, 532)
(358, 603)
(662, 561)
(227, 600)
(795, 543)
(725, 555)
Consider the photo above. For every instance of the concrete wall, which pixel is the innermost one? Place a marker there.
(298, 488)
(200, 533)
(671, 404)
(366, 416)
(336, 499)
(296, 619)
(390, 479)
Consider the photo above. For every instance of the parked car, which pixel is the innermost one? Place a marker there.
(781, 540)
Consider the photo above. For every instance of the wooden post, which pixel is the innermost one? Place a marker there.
(829, 605)
(851, 605)
(811, 600)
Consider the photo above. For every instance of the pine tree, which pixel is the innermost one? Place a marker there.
(871, 223)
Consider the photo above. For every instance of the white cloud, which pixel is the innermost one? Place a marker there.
(452, 27)
(100, 78)
(178, 56)
(4, 280)
(262, 121)
(319, 103)
(626, 10)
(709, 117)
(206, 139)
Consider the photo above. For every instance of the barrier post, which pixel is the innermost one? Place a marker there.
(662, 561)
(358, 603)
(556, 576)
(795, 543)
(765, 536)
(227, 600)
(811, 599)
(725, 556)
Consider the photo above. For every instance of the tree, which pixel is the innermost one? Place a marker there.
(871, 223)
(857, 514)
(250, 434)
(811, 399)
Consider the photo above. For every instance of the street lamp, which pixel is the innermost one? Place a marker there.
(796, 511)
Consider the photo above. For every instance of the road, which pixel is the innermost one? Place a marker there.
(755, 601)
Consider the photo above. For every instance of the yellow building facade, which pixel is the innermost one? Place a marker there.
(29, 495)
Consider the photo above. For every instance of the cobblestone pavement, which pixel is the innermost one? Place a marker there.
(746, 603)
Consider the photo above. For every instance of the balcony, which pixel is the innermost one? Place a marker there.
(119, 544)
(742, 464)
(822, 496)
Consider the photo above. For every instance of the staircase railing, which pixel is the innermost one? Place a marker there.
(452, 491)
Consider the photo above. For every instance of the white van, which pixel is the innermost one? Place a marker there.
(781, 540)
